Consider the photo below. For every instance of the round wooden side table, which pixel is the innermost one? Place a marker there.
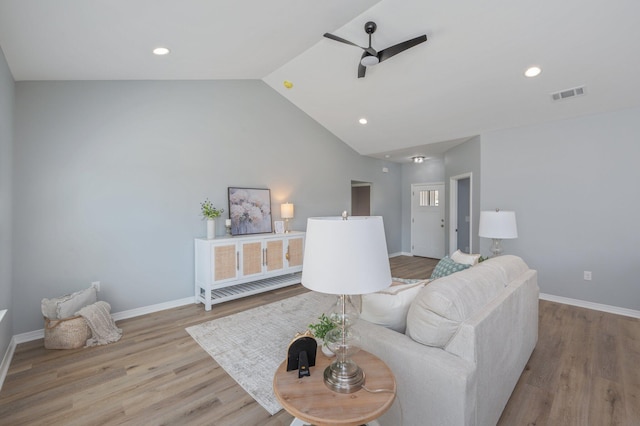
(309, 399)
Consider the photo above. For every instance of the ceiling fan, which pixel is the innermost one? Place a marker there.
(372, 57)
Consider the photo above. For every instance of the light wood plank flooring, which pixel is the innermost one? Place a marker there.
(584, 371)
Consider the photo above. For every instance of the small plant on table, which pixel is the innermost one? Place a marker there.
(320, 330)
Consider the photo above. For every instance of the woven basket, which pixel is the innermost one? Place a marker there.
(67, 333)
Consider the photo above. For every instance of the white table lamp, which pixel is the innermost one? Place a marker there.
(286, 212)
(498, 225)
(345, 256)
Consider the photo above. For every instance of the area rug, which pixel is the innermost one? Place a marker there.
(250, 345)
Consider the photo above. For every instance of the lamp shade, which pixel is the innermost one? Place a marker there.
(286, 211)
(346, 256)
(499, 224)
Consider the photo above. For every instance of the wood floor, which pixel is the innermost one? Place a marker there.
(585, 370)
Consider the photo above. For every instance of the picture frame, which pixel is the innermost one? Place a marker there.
(250, 210)
(278, 226)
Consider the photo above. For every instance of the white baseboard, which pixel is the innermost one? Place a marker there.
(6, 361)
(117, 316)
(152, 308)
(29, 336)
(400, 253)
(591, 305)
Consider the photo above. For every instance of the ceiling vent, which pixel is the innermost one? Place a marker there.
(568, 93)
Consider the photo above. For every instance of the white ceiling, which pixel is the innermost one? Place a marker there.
(465, 80)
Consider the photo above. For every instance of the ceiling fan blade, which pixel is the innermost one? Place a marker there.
(400, 47)
(361, 68)
(370, 50)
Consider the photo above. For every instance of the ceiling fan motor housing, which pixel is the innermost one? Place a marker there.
(370, 27)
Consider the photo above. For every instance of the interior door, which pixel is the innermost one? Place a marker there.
(360, 198)
(427, 220)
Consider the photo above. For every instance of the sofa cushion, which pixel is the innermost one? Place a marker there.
(447, 266)
(509, 266)
(465, 258)
(438, 310)
(389, 307)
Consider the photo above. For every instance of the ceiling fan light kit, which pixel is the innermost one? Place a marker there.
(370, 56)
(369, 61)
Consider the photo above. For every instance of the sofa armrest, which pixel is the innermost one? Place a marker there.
(499, 340)
(432, 384)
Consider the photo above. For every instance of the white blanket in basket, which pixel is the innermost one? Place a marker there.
(99, 320)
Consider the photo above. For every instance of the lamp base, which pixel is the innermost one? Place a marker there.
(496, 247)
(344, 377)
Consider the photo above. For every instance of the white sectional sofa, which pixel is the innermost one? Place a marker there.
(468, 338)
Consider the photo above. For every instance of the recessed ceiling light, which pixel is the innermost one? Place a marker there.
(362, 121)
(532, 72)
(387, 156)
(418, 159)
(161, 51)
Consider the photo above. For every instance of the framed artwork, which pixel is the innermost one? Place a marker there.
(278, 226)
(250, 210)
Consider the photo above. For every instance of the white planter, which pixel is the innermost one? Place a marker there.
(211, 229)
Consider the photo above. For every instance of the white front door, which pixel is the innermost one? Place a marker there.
(427, 220)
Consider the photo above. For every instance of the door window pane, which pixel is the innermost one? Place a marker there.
(429, 198)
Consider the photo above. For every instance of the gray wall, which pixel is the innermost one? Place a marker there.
(431, 171)
(459, 160)
(109, 176)
(6, 141)
(574, 187)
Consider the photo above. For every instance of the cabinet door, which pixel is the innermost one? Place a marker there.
(274, 255)
(225, 262)
(251, 253)
(295, 251)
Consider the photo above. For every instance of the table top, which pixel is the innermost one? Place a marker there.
(310, 400)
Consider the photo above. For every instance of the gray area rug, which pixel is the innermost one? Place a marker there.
(250, 345)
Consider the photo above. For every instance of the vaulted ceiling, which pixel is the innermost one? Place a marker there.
(465, 80)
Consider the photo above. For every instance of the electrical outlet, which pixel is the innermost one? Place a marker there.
(587, 275)
(96, 284)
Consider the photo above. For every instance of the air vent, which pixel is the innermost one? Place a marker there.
(568, 93)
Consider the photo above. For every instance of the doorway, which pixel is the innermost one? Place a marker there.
(427, 220)
(461, 213)
(360, 198)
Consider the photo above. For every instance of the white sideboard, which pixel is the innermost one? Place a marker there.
(229, 267)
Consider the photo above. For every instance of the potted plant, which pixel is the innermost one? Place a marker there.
(320, 330)
(210, 213)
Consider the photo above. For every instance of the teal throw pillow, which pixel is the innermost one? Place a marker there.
(446, 266)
